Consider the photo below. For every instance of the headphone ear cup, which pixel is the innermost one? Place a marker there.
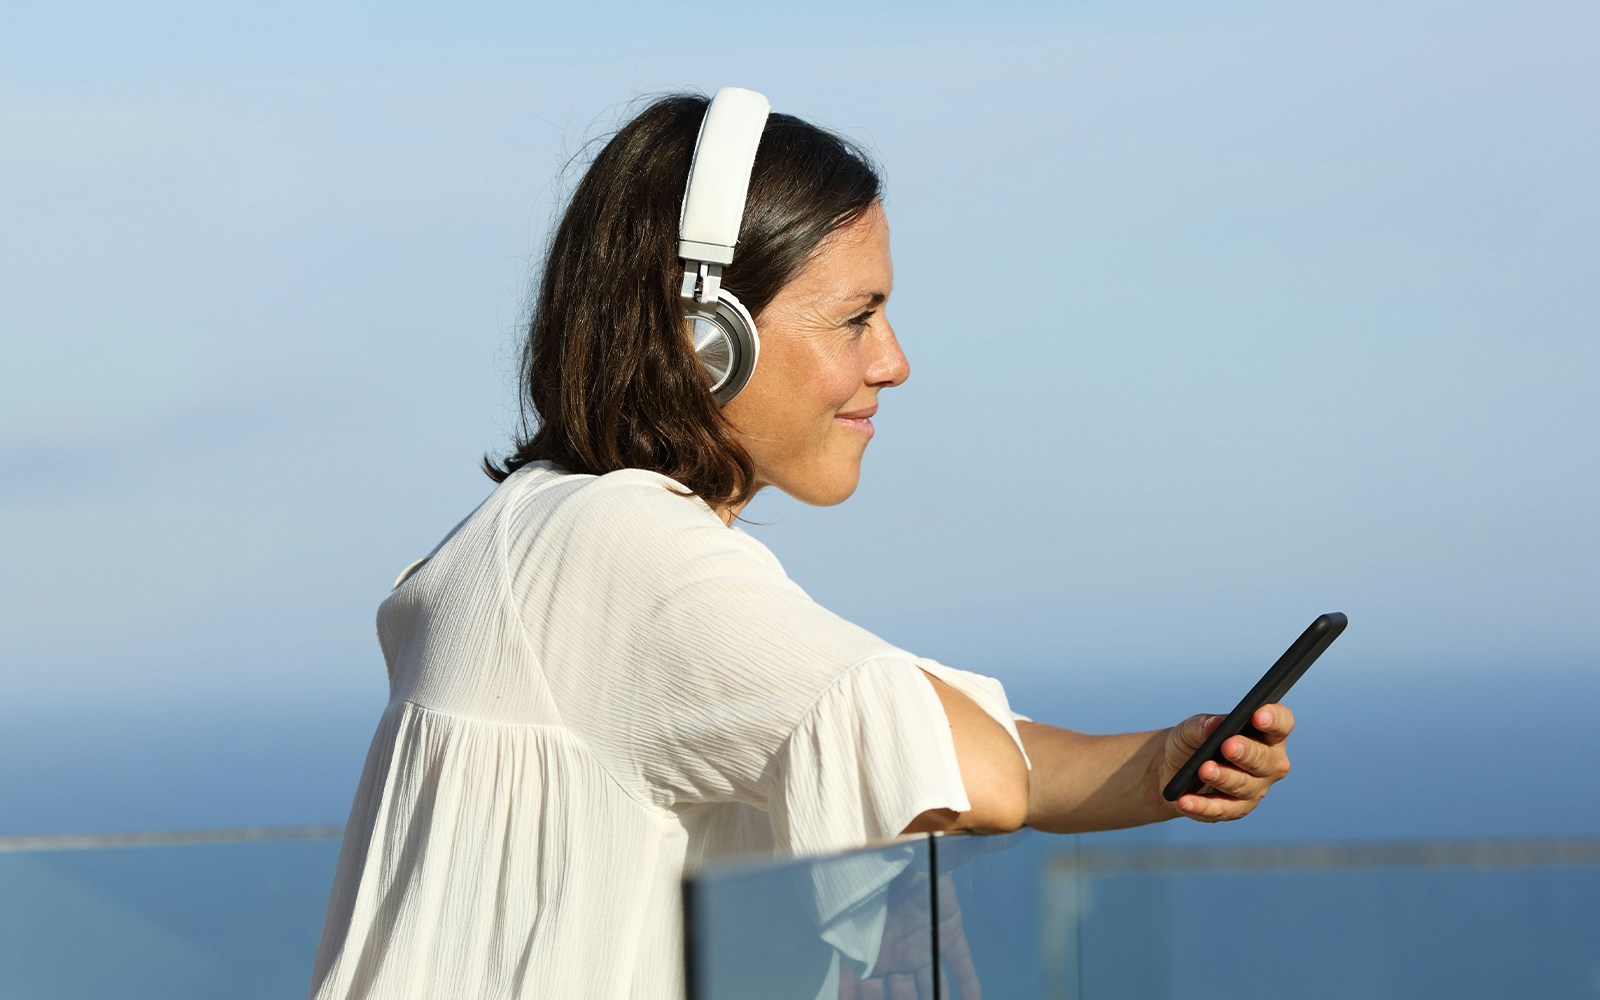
(726, 344)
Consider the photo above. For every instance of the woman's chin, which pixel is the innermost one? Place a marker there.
(827, 493)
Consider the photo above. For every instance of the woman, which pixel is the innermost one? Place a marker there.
(599, 682)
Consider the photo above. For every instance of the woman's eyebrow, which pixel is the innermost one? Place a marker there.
(874, 299)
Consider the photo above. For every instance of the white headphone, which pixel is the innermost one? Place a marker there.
(725, 337)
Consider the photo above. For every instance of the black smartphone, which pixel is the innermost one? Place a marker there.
(1269, 690)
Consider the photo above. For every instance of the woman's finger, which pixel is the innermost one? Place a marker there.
(1270, 761)
(956, 950)
(1275, 722)
(902, 986)
(1193, 731)
(871, 988)
(1215, 808)
(1234, 783)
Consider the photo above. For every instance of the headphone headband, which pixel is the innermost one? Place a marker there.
(719, 175)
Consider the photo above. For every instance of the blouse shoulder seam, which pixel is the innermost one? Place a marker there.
(445, 713)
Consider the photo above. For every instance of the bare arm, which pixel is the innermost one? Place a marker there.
(992, 769)
(1082, 782)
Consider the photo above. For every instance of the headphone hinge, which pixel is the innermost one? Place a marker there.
(702, 281)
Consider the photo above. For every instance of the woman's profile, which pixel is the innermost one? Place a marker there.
(599, 681)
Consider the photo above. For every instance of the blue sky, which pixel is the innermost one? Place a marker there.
(1217, 320)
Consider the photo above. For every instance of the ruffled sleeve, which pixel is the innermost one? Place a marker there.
(872, 754)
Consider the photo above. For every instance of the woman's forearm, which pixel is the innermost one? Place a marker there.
(1082, 782)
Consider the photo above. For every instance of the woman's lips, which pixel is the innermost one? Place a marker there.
(860, 420)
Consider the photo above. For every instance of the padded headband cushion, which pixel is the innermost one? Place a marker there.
(719, 176)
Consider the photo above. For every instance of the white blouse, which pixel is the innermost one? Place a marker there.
(596, 686)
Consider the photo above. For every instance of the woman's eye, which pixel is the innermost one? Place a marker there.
(863, 319)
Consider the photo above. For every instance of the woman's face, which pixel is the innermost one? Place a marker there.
(826, 351)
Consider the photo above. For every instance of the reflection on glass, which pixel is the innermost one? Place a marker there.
(813, 929)
(232, 919)
(1001, 934)
(861, 926)
(903, 965)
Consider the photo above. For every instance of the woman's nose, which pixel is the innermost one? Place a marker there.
(890, 367)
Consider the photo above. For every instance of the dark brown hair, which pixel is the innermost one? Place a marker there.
(608, 377)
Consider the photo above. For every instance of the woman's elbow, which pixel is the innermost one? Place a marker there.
(1000, 803)
(993, 770)
(997, 803)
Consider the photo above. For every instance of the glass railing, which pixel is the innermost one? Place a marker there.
(798, 929)
(163, 916)
(1491, 919)
(1030, 915)
(924, 917)
(236, 915)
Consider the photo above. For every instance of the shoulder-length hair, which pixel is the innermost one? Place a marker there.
(609, 379)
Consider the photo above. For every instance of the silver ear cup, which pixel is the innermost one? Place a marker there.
(726, 343)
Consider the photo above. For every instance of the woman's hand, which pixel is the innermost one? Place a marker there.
(1254, 763)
